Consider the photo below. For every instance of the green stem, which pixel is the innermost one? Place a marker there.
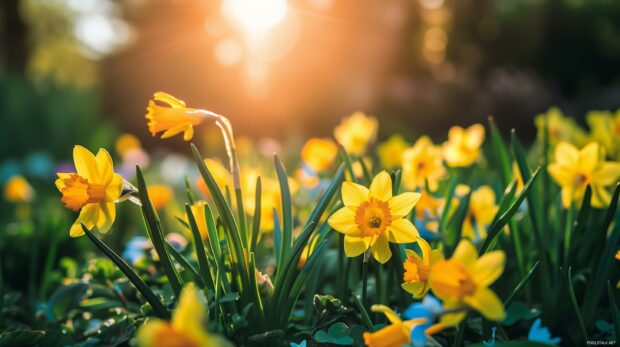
(341, 278)
(568, 234)
(365, 277)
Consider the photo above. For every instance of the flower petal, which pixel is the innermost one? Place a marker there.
(381, 187)
(353, 194)
(354, 246)
(343, 221)
(88, 216)
(563, 176)
(381, 250)
(402, 204)
(402, 231)
(107, 214)
(488, 268)
(466, 254)
(85, 163)
(607, 174)
(487, 303)
(388, 312)
(105, 167)
(566, 154)
(169, 99)
(589, 157)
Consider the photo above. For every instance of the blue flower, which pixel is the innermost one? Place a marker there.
(301, 344)
(136, 248)
(429, 309)
(539, 333)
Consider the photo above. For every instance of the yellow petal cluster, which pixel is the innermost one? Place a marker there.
(171, 117)
(422, 163)
(464, 279)
(18, 190)
(92, 190)
(355, 132)
(605, 129)
(319, 154)
(372, 217)
(186, 328)
(397, 334)
(481, 211)
(463, 145)
(391, 151)
(418, 268)
(574, 169)
(559, 128)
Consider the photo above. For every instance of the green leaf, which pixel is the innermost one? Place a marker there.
(287, 210)
(455, 225)
(521, 284)
(501, 153)
(365, 317)
(185, 264)
(504, 216)
(149, 296)
(519, 311)
(21, 338)
(156, 234)
(199, 247)
(615, 313)
(257, 215)
(568, 281)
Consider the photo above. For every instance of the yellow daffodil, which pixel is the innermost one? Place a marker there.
(463, 145)
(574, 169)
(18, 190)
(92, 190)
(560, 128)
(319, 154)
(463, 280)
(219, 172)
(172, 117)
(372, 217)
(397, 334)
(618, 255)
(186, 328)
(391, 151)
(418, 267)
(160, 195)
(125, 143)
(482, 210)
(422, 163)
(605, 129)
(355, 132)
(358, 170)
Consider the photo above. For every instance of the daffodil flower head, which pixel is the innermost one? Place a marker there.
(160, 195)
(319, 154)
(463, 280)
(391, 151)
(422, 163)
(18, 190)
(574, 169)
(186, 328)
(463, 145)
(372, 217)
(355, 132)
(92, 190)
(418, 267)
(172, 117)
(559, 128)
(397, 334)
(481, 211)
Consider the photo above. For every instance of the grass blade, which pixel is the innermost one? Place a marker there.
(156, 235)
(287, 209)
(501, 152)
(257, 216)
(521, 284)
(203, 264)
(159, 308)
(615, 313)
(568, 281)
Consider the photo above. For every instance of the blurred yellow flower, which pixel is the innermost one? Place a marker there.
(306, 179)
(125, 143)
(93, 190)
(391, 151)
(355, 132)
(358, 170)
(319, 154)
(160, 195)
(173, 117)
(198, 210)
(463, 145)
(220, 174)
(397, 334)
(417, 268)
(186, 328)
(574, 169)
(422, 163)
(560, 128)
(618, 255)
(372, 217)
(464, 280)
(17, 189)
(480, 214)
(270, 196)
(605, 129)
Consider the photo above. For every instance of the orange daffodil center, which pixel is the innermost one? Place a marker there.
(172, 117)
(92, 190)
(372, 217)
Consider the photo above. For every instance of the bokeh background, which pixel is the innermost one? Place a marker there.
(81, 71)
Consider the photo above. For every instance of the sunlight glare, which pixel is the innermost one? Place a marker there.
(255, 16)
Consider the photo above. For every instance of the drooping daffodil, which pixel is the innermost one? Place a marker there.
(372, 217)
(92, 190)
(171, 116)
